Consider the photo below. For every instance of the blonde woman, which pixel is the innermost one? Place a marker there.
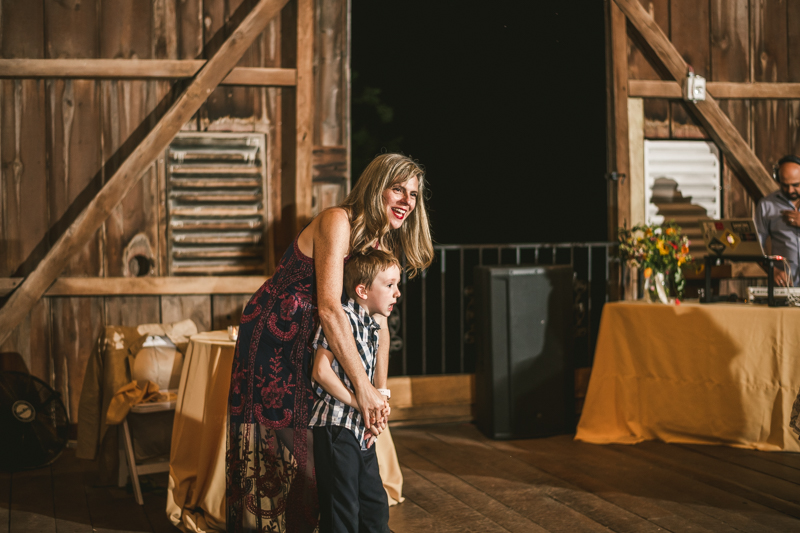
(270, 457)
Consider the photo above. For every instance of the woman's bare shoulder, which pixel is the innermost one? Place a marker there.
(333, 221)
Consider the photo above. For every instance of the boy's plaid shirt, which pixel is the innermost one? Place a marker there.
(328, 411)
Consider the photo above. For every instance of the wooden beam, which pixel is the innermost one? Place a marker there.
(723, 90)
(92, 217)
(618, 94)
(305, 114)
(146, 286)
(744, 161)
(139, 69)
(654, 89)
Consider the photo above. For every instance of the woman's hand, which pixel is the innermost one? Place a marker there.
(371, 404)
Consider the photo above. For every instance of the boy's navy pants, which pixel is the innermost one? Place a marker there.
(351, 494)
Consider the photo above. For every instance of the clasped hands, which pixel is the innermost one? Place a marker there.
(376, 410)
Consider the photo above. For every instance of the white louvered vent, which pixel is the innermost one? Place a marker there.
(688, 168)
(682, 184)
(216, 204)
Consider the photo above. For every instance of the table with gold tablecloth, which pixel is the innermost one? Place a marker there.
(196, 493)
(693, 373)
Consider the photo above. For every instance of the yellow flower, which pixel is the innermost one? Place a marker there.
(661, 248)
(648, 232)
(681, 260)
(648, 272)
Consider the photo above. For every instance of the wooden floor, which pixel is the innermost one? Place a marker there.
(457, 480)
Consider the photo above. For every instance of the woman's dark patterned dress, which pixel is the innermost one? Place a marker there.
(270, 473)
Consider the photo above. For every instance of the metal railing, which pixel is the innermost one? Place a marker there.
(432, 326)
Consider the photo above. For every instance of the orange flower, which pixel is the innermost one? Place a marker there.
(670, 231)
(648, 272)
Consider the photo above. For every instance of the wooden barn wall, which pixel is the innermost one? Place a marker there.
(732, 41)
(61, 139)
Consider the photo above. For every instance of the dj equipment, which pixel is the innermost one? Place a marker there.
(524, 375)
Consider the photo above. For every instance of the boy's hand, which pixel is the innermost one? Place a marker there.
(371, 440)
(387, 410)
(370, 403)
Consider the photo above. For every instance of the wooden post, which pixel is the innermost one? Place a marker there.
(748, 167)
(618, 88)
(619, 199)
(305, 114)
(91, 218)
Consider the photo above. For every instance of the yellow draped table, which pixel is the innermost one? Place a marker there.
(196, 493)
(701, 374)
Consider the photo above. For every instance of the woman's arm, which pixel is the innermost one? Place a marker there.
(331, 243)
(328, 380)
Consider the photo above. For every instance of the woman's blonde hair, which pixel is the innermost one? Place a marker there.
(368, 219)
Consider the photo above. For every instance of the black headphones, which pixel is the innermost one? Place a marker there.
(781, 161)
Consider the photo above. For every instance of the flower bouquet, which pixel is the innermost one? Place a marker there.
(661, 250)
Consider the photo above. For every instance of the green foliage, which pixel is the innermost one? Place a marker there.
(656, 248)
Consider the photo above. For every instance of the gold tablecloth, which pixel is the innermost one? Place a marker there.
(196, 493)
(701, 374)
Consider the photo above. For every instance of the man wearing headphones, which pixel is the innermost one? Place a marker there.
(778, 218)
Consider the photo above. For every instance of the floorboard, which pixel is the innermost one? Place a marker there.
(771, 492)
(70, 506)
(671, 500)
(5, 501)
(466, 493)
(457, 480)
(31, 506)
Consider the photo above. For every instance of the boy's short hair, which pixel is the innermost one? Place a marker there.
(361, 269)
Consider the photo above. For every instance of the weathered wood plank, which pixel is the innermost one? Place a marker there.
(667, 498)
(23, 178)
(718, 89)
(31, 506)
(770, 119)
(410, 517)
(114, 510)
(143, 69)
(304, 133)
(749, 459)
(149, 286)
(31, 339)
(730, 64)
(74, 147)
(23, 299)
(619, 211)
(5, 501)
(539, 497)
(490, 508)
(132, 310)
(331, 74)
(757, 179)
(656, 113)
(226, 310)
(448, 512)
(69, 500)
(197, 308)
(689, 33)
(76, 324)
(765, 490)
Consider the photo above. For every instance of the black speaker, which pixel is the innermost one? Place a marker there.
(524, 372)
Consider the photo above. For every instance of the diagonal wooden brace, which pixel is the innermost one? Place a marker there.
(92, 217)
(744, 161)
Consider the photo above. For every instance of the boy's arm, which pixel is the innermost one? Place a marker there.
(328, 380)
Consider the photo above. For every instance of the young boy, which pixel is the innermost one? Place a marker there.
(351, 495)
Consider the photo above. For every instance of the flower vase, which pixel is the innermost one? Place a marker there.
(655, 288)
